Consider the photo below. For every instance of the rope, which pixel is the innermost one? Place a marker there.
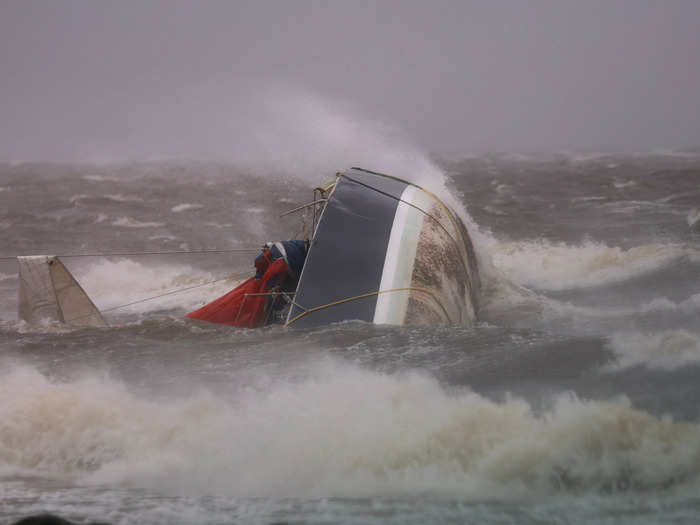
(171, 292)
(121, 254)
(369, 294)
(460, 247)
(386, 194)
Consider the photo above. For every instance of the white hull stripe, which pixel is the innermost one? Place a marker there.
(400, 256)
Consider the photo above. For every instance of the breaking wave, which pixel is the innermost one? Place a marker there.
(116, 283)
(550, 266)
(341, 431)
(669, 349)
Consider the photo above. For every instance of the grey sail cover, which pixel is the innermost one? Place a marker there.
(49, 292)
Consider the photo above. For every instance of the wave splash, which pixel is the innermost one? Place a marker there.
(668, 349)
(341, 431)
(115, 283)
(551, 266)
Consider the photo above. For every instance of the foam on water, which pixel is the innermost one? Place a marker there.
(119, 197)
(558, 266)
(668, 349)
(100, 178)
(341, 431)
(115, 283)
(185, 206)
(129, 222)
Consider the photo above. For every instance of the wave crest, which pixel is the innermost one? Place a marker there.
(342, 431)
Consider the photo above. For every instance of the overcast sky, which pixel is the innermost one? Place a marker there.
(140, 79)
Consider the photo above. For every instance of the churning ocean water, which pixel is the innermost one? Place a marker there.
(575, 398)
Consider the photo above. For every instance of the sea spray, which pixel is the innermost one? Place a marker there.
(667, 349)
(112, 283)
(339, 431)
(557, 266)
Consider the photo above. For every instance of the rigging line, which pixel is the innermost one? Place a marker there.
(172, 292)
(460, 248)
(444, 206)
(370, 294)
(118, 254)
(386, 194)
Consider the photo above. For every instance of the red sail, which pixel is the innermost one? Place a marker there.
(238, 307)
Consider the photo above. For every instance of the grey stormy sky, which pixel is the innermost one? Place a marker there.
(87, 80)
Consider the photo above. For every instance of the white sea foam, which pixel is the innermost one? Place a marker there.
(100, 178)
(342, 431)
(162, 238)
(120, 197)
(552, 266)
(185, 206)
(7, 276)
(115, 283)
(588, 198)
(693, 217)
(634, 206)
(619, 184)
(116, 197)
(129, 222)
(524, 304)
(688, 306)
(668, 349)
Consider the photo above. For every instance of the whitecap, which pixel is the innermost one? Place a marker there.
(114, 283)
(392, 435)
(186, 206)
(118, 197)
(624, 184)
(100, 178)
(128, 222)
(552, 266)
(667, 349)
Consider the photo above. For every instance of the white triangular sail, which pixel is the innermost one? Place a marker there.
(48, 291)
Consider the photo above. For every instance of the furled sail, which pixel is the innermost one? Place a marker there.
(48, 291)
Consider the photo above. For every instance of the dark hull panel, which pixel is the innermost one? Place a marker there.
(347, 254)
(386, 251)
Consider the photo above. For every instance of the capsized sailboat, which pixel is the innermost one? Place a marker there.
(383, 250)
(380, 250)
